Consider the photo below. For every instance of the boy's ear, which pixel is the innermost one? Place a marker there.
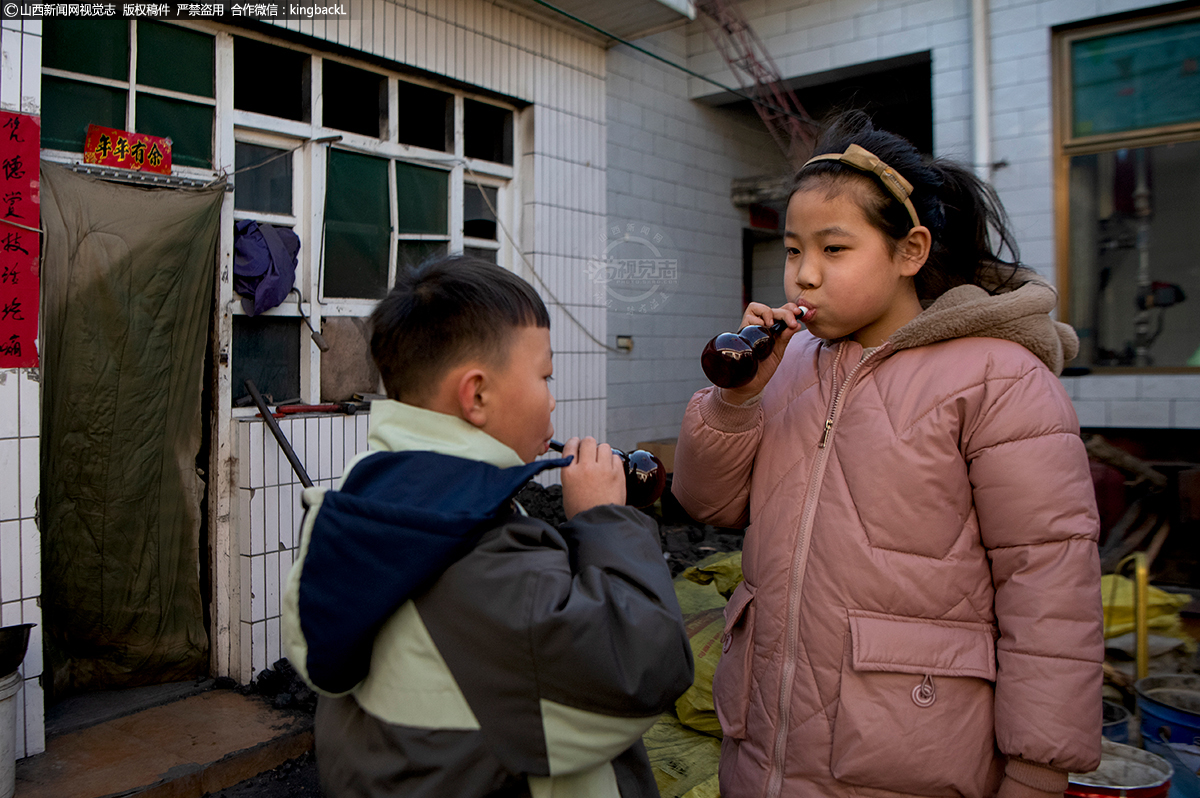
(472, 399)
(914, 250)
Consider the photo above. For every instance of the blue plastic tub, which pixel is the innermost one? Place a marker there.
(1116, 722)
(1170, 709)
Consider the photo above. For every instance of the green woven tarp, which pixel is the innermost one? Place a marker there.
(127, 287)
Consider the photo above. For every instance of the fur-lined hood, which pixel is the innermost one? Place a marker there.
(1021, 315)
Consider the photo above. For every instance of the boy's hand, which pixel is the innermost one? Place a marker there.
(596, 476)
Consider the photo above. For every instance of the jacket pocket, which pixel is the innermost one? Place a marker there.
(915, 708)
(731, 682)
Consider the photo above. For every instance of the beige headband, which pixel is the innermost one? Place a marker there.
(864, 160)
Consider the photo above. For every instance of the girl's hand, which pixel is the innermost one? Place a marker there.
(758, 313)
(596, 476)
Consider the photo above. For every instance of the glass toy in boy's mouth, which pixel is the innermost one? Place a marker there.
(645, 475)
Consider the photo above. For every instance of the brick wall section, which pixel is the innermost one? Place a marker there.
(670, 165)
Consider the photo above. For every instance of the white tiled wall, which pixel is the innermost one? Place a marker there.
(812, 37)
(670, 165)
(269, 515)
(561, 167)
(20, 419)
(1166, 401)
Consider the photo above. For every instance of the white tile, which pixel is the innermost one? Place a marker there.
(1091, 412)
(35, 718)
(30, 404)
(258, 588)
(273, 641)
(363, 423)
(312, 448)
(1154, 413)
(337, 446)
(10, 485)
(244, 431)
(258, 646)
(19, 724)
(257, 430)
(1185, 413)
(1096, 386)
(287, 524)
(246, 652)
(10, 613)
(299, 440)
(242, 521)
(31, 559)
(10, 563)
(271, 564)
(31, 613)
(271, 453)
(257, 531)
(246, 588)
(1169, 386)
(30, 476)
(271, 530)
(9, 408)
(324, 465)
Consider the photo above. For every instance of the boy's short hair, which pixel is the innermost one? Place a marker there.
(442, 313)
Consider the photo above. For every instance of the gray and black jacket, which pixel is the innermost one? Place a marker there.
(463, 649)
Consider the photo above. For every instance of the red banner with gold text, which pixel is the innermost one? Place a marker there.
(111, 147)
(20, 242)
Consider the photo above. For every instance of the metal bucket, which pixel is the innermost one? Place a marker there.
(1116, 723)
(1124, 770)
(1170, 709)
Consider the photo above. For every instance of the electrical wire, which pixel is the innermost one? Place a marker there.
(500, 223)
(739, 92)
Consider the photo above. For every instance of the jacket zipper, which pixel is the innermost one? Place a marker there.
(799, 563)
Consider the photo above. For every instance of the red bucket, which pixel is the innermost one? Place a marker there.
(1124, 770)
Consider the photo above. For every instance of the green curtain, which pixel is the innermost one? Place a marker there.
(127, 287)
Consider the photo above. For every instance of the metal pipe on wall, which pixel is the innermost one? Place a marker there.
(981, 89)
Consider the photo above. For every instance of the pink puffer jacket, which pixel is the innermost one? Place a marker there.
(921, 607)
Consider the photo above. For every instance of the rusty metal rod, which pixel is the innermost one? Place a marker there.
(272, 425)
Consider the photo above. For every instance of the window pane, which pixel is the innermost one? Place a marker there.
(423, 198)
(175, 58)
(414, 253)
(426, 117)
(481, 253)
(1131, 271)
(270, 80)
(68, 107)
(266, 188)
(357, 227)
(487, 132)
(97, 47)
(267, 350)
(478, 219)
(189, 126)
(1138, 79)
(354, 99)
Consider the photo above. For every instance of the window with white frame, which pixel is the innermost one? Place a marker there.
(1128, 123)
(374, 169)
(144, 76)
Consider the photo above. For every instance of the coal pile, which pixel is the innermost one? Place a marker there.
(282, 687)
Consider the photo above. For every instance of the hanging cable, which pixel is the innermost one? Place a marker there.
(500, 223)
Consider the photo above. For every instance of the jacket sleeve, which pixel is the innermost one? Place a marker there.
(714, 458)
(568, 644)
(1037, 516)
